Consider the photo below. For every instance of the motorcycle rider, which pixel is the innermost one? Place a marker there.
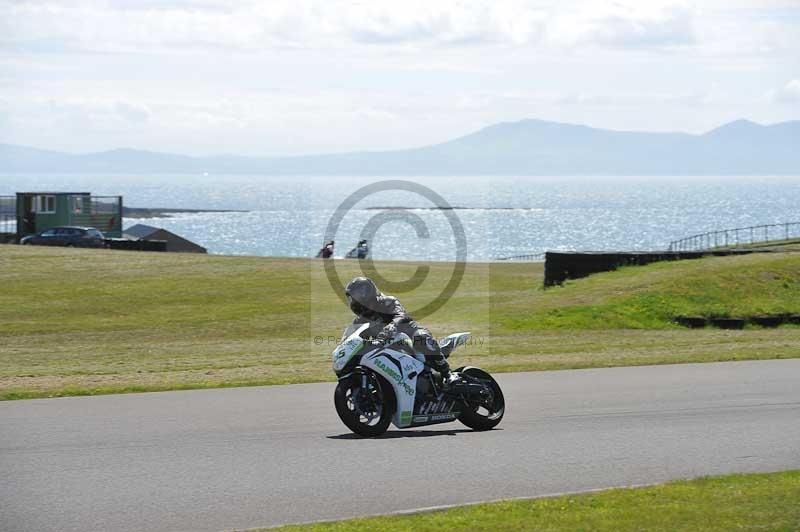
(388, 316)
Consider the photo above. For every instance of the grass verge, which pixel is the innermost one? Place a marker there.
(82, 322)
(733, 502)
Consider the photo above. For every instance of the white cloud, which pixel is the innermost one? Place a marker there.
(181, 26)
(294, 76)
(212, 5)
(623, 24)
(134, 113)
(789, 93)
(446, 22)
(129, 26)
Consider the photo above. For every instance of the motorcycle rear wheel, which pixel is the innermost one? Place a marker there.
(367, 416)
(483, 416)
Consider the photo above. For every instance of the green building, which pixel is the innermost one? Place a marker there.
(39, 211)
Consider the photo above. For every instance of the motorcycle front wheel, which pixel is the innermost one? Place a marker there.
(365, 403)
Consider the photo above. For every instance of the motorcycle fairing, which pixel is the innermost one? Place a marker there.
(441, 410)
(449, 343)
(349, 347)
(401, 371)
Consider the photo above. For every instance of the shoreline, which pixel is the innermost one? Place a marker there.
(147, 212)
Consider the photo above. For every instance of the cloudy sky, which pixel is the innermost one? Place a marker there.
(279, 77)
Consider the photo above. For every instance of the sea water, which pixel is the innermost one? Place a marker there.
(499, 216)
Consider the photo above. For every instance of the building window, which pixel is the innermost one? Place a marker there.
(45, 204)
(77, 204)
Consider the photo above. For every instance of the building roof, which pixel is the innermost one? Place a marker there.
(141, 230)
(55, 193)
(145, 232)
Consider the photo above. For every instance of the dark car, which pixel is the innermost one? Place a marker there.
(79, 237)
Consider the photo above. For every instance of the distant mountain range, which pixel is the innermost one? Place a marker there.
(527, 147)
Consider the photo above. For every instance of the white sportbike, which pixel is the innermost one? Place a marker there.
(390, 383)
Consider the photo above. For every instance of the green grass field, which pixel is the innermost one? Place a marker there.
(85, 321)
(734, 502)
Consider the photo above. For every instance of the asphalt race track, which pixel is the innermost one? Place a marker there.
(248, 457)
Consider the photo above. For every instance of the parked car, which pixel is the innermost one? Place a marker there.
(82, 237)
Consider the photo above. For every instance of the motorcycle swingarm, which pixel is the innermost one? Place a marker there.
(468, 389)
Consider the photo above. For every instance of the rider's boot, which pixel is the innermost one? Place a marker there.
(448, 377)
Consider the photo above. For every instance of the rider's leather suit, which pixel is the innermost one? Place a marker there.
(388, 316)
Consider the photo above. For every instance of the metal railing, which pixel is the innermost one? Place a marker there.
(106, 204)
(8, 223)
(535, 257)
(726, 238)
(8, 205)
(8, 217)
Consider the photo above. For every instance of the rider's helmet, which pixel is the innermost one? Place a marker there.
(362, 295)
